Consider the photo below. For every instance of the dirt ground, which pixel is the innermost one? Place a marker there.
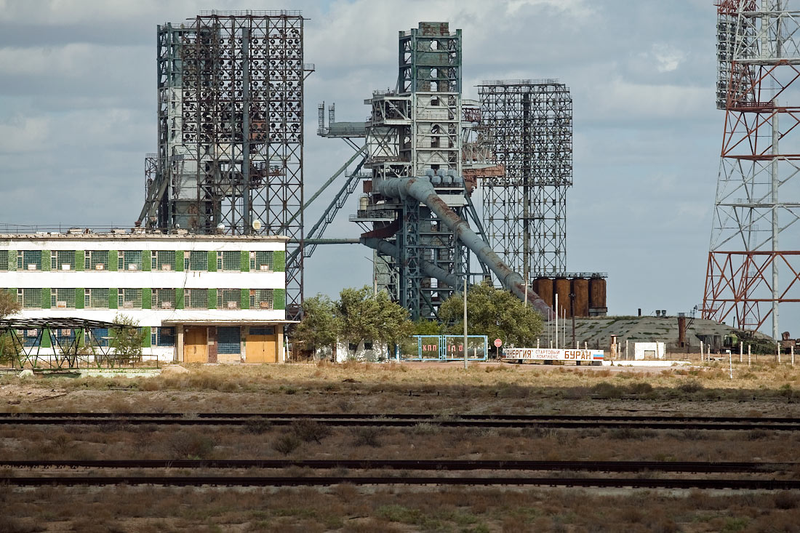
(440, 389)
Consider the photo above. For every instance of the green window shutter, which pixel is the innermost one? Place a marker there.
(113, 260)
(146, 333)
(146, 264)
(146, 298)
(79, 259)
(179, 260)
(79, 340)
(12, 260)
(45, 298)
(179, 300)
(212, 261)
(212, 296)
(245, 303)
(279, 261)
(78, 298)
(113, 298)
(279, 298)
(45, 260)
(245, 261)
(46, 342)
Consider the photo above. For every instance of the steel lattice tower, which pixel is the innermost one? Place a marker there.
(757, 196)
(529, 126)
(230, 136)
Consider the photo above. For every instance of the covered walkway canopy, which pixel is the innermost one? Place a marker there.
(81, 344)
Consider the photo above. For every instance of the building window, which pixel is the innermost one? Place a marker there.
(30, 298)
(95, 260)
(197, 261)
(129, 298)
(229, 261)
(164, 298)
(100, 336)
(367, 345)
(162, 260)
(228, 340)
(29, 260)
(132, 260)
(261, 261)
(262, 330)
(261, 299)
(228, 298)
(95, 298)
(63, 298)
(62, 260)
(196, 298)
(166, 337)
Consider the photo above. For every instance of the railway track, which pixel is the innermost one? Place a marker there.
(295, 481)
(410, 465)
(409, 420)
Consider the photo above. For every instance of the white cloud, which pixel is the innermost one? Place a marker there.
(24, 135)
(667, 57)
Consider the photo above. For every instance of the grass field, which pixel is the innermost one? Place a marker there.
(444, 390)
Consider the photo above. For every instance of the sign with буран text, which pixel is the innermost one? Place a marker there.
(553, 354)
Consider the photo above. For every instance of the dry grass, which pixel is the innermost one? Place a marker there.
(443, 390)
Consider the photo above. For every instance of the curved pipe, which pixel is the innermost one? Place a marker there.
(422, 190)
(429, 269)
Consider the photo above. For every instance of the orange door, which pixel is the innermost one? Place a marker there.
(195, 345)
(262, 345)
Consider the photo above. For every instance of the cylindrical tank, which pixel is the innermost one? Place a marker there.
(597, 293)
(544, 288)
(562, 289)
(363, 202)
(580, 305)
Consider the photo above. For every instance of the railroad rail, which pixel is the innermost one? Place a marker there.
(295, 481)
(409, 420)
(413, 464)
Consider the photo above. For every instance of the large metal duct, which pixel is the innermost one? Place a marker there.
(429, 269)
(422, 190)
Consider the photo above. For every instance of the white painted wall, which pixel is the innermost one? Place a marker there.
(658, 349)
(123, 279)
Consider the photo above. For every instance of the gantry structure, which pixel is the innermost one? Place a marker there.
(528, 126)
(230, 131)
(753, 261)
(415, 131)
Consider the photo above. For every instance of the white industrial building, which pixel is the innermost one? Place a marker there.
(199, 298)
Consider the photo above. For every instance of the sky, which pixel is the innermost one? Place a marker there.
(78, 113)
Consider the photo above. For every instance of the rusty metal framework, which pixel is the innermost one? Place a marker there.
(230, 134)
(758, 192)
(529, 126)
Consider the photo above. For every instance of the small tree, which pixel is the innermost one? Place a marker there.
(320, 325)
(492, 312)
(8, 306)
(364, 316)
(127, 339)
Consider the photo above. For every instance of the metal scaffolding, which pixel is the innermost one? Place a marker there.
(528, 125)
(230, 135)
(758, 196)
(415, 130)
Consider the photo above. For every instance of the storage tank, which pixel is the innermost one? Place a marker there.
(544, 288)
(580, 305)
(562, 289)
(597, 294)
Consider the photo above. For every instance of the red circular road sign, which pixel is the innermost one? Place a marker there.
(498, 343)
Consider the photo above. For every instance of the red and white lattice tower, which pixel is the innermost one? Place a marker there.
(758, 188)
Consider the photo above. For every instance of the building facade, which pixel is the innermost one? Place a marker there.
(198, 298)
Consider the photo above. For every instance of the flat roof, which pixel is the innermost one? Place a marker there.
(122, 235)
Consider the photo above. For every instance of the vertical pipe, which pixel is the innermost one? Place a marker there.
(792, 349)
(465, 322)
(741, 351)
(556, 324)
(748, 355)
(701, 351)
